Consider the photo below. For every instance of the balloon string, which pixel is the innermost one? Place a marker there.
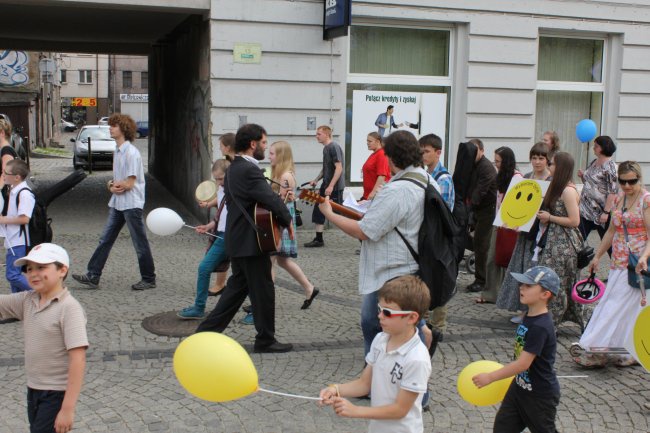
(206, 233)
(288, 395)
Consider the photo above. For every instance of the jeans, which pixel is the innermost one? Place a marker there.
(135, 224)
(17, 280)
(42, 409)
(215, 255)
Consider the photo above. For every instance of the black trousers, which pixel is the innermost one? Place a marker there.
(482, 234)
(42, 409)
(587, 227)
(251, 276)
(520, 410)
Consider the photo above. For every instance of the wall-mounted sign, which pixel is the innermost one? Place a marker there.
(336, 18)
(247, 53)
(134, 97)
(83, 102)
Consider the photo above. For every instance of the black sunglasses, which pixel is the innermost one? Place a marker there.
(628, 181)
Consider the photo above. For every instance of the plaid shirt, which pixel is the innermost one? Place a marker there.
(446, 185)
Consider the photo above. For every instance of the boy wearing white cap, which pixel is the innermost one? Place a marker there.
(533, 396)
(54, 325)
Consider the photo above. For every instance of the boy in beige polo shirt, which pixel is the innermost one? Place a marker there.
(55, 339)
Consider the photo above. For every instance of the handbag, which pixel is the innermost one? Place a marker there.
(504, 246)
(632, 261)
(585, 255)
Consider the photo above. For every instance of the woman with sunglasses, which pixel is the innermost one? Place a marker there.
(614, 317)
(599, 190)
(553, 241)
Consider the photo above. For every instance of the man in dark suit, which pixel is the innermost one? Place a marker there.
(251, 269)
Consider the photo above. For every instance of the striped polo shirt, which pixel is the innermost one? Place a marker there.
(50, 331)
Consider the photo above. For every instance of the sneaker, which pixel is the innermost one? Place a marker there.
(315, 244)
(191, 313)
(248, 320)
(144, 285)
(84, 279)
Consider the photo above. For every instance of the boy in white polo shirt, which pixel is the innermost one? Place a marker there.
(399, 365)
(19, 211)
(54, 325)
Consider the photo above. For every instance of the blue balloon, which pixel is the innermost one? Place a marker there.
(586, 130)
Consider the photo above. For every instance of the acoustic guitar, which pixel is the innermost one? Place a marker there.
(269, 231)
(313, 197)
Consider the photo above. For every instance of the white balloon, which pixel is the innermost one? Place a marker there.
(164, 221)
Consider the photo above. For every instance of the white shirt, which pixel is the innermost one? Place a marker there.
(224, 212)
(25, 207)
(127, 162)
(408, 367)
(384, 255)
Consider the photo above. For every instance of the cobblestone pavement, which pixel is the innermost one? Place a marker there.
(130, 386)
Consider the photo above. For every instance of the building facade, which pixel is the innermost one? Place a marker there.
(504, 72)
(84, 87)
(129, 86)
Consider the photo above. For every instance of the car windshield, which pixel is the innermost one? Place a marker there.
(95, 134)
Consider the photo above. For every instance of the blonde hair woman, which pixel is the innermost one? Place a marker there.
(282, 173)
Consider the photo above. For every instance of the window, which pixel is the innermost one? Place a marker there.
(127, 79)
(410, 66)
(64, 74)
(569, 90)
(144, 80)
(85, 76)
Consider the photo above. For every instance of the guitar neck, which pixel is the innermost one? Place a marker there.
(314, 197)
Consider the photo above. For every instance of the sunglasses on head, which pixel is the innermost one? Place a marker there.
(628, 181)
(387, 312)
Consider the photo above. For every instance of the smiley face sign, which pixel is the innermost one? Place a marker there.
(521, 203)
(638, 341)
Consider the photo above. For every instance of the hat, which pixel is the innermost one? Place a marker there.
(545, 277)
(44, 254)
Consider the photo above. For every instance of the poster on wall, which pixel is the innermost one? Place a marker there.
(386, 112)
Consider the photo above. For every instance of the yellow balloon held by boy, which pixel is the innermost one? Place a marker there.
(214, 367)
(488, 395)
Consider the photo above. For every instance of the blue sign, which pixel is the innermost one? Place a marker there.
(336, 18)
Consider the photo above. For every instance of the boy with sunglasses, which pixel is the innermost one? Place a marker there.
(398, 364)
(532, 399)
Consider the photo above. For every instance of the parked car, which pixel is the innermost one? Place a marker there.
(67, 126)
(143, 129)
(16, 139)
(103, 121)
(102, 146)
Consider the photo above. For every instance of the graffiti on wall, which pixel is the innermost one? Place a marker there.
(14, 69)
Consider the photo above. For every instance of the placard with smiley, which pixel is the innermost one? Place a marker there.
(521, 204)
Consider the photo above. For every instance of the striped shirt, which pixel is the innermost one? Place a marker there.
(50, 331)
(384, 254)
(127, 162)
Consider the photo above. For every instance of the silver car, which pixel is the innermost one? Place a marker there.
(102, 146)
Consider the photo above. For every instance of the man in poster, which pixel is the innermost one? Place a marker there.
(386, 121)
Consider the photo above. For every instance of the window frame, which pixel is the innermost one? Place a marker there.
(63, 76)
(130, 86)
(142, 82)
(85, 76)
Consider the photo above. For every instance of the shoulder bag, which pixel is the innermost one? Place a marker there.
(632, 260)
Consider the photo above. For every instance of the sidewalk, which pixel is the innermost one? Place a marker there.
(130, 385)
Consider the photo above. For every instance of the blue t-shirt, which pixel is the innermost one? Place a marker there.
(536, 335)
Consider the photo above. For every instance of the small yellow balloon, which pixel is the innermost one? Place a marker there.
(214, 367)
(488, 395)
(641, 338)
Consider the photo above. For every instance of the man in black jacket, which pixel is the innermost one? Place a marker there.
(251, 268)
(483, 196)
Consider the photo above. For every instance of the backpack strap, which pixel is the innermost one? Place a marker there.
(411, 177)
(439, 174)
(23, 230)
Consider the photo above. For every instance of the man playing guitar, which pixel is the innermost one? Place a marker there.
(245, 187)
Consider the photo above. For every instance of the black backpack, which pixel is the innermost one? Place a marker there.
(438, 244)
(461, 216)
(39, 226)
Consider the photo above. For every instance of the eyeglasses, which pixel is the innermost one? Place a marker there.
(628, 181)
(387, 312)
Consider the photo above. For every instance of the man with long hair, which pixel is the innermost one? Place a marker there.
(125, 207)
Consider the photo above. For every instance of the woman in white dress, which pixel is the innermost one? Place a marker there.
(614, 317)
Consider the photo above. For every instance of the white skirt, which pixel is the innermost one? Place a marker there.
(614, 316)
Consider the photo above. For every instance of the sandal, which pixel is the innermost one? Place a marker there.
(482, 301)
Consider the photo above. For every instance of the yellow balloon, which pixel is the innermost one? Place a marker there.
(214, 367)
(641, 338)
(488, 395)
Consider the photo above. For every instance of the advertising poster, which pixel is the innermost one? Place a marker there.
(419, 113)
